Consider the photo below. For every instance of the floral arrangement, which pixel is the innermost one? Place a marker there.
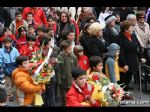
(113, 92)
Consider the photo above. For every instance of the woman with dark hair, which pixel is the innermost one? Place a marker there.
(64, 26)
(130, 53)
(84, 38)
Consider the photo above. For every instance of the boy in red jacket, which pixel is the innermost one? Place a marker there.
(83, 60)
(80, 91)
(30, 47)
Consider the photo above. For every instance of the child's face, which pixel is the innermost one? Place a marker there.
(31, 30)
(80, 53)
(40, 33)
(50, 22)
(29, 17)
(117, 53)
(18, 17)
(68, 50)
(71, 36)
(81, 80)
(23, 33)
(25, 65)
(31, 42)
(99, 67)
(7, 45)
(48, 45)
(51, 33)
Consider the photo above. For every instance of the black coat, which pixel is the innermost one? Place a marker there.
(109, 35)
(96, 47)
(130, 52)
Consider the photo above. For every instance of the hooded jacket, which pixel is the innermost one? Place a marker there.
(25, 88)
(111, 66)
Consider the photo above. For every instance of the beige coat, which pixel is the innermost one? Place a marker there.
(143, 37)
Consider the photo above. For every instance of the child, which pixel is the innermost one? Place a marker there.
(31, 30)
(22, 36)
(30, 47)
(80, 90)
(30, 20)
(49, 95)
(96, 67)
(71, 37)
(25, 88)
(8, 56)
(83, 60)
(40, 35)
(111, 66)
(69, 61)
(3, 97)
(51, 23)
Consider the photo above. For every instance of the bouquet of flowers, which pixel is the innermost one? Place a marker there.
(113, 92)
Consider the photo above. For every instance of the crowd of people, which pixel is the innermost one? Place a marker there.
(109, 40)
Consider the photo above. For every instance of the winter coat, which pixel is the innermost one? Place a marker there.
(21, 42)
(112, 69)
(84, 39)
(76, 95)
(68, 62)
(13, 28)
(39, 15)
(109, 36)
(25, 88)
(96, 47)
(83, 62)
(129, 52)
(143, 36)
(8, 59)
(25, 51)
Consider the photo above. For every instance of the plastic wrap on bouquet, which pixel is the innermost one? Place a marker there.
(41, 69)
(38, 101)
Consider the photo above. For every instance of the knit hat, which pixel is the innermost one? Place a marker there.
(21, 28)
(76, 72)
(109, 18)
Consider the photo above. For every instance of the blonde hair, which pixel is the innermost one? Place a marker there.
(94, 28)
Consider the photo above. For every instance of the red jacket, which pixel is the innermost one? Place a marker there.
(39, 15)
(11, 36)
(21, 42)
(25, 51)
(76, 95)
(77, 29)
(83, 62)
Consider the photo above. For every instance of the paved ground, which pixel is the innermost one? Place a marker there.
(138, 100)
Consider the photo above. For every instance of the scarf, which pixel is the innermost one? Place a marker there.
(19, 23)
(127, 35)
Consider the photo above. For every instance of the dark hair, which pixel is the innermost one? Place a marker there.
(50, 17)
(7, 39)
(45, 40)
(76, 72)
(94, 61)
(116, 13)
(30, 13)
(21, 59)
(71, 31)
(18, 13)
(68, 18)
(50, 28)
(5, 29)
(3, 95)
(40, 28)
(125, 25)
(31, 37)
(31, 26)
(89, 18)
(65, 44)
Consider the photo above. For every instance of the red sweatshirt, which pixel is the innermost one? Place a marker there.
(83, 62)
